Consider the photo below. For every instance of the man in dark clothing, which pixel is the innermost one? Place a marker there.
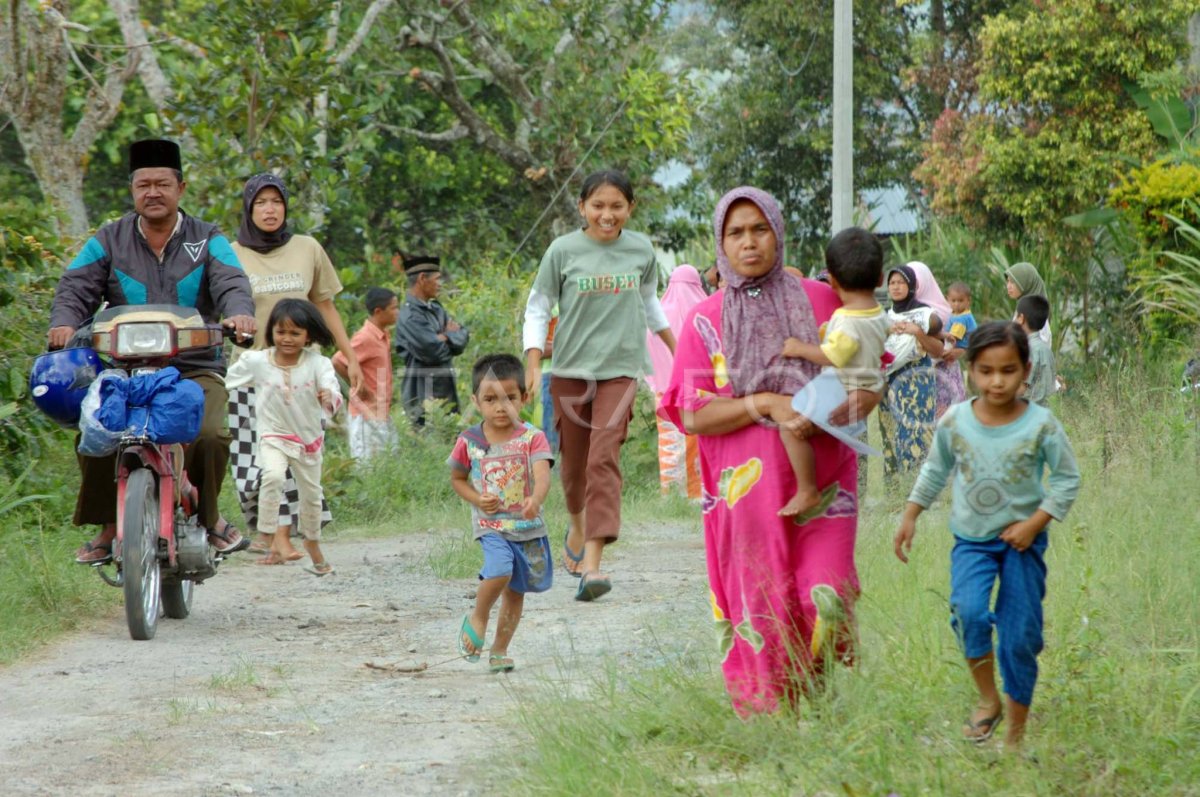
(427, 339)
(159, 255)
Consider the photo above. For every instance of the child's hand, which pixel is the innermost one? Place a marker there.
(1021, 534)
(792, 348)
(326, 399)
(529, 508)
(902, 542)
(489, 503)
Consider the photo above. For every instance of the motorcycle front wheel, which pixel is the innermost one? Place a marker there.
(139, 554)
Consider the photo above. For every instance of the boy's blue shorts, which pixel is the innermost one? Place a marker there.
(528, 563)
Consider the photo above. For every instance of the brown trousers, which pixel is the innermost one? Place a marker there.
(206, 461)
(592, 419)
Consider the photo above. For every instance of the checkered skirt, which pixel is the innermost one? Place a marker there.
(246, 473)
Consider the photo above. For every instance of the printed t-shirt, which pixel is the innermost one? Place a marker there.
(373, 350)
(601, 331)
(960, 328)
(997, 470)
(300, 269)
(1041, 370)
(504, 469)
(854, 344)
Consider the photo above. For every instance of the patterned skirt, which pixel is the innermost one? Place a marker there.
(950, 387)
(243, 453)
(907, 416)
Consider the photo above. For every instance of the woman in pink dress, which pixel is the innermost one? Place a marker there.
(782, 588)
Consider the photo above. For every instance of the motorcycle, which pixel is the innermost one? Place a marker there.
(161, 551)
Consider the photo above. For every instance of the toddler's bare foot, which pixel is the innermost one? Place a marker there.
(802, 501)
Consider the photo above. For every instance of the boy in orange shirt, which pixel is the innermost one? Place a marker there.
(371, 429)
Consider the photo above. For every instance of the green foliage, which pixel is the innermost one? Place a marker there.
(766, 120)
(1045, 142)
(28, 274)
(1175, 289)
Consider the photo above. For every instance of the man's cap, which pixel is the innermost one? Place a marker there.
(418, 264)
(154, 152)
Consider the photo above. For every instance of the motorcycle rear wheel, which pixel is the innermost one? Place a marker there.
(139, 554)
(177, 599)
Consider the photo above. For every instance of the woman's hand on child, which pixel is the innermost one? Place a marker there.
(779, 409)
(489, 503)
(858, 405)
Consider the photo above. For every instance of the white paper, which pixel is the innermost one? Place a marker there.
(822, 396)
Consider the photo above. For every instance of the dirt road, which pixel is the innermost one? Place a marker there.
(265, 688)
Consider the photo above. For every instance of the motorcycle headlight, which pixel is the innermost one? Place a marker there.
(145, 340)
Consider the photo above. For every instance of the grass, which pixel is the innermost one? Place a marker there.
(1117, 709)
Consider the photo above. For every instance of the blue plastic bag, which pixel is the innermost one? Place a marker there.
(96, 437)
(158, 405)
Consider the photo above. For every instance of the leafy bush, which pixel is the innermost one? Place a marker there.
(29, 271)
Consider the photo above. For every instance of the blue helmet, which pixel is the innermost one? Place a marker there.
(59, 380)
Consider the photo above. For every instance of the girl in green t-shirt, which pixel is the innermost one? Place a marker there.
(604, 280)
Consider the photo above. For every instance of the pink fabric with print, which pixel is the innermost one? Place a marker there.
(761, 567)
(684, 291)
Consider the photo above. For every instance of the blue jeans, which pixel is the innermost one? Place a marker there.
(1017, 617)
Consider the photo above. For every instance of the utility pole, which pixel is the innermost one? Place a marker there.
(843, 116)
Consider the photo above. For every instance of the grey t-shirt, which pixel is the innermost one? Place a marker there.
(599, 289)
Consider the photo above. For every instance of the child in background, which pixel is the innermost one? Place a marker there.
(1033, 312)
(996, 446)
(853, 343)
(501, 467)
(295, 387)
(371, 429)
(962, 322)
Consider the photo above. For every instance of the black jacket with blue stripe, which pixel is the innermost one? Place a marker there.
(198, 269)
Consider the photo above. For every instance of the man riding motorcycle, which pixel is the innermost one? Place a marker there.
(159, 255)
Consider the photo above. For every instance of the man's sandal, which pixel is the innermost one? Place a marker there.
(94, 553)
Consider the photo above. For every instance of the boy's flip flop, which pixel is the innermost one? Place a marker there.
(987, 725)
(469, 632)
(498, 662)
(571, 555)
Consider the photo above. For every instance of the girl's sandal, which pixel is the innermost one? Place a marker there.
(499, 662)
(321, 569)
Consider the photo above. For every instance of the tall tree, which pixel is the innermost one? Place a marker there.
(41, 63)
(1055, 115)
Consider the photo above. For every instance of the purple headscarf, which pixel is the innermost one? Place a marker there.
(249, 235)
(758, 314)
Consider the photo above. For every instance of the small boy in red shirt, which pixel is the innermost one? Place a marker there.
(371, 429)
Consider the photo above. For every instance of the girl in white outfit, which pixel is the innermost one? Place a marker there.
(295, 388)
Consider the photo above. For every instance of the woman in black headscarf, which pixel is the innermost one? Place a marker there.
(280, 265)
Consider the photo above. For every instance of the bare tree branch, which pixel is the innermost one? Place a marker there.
(455, 133)
(134, 33)
(445, 87)
(102, 106)
(364, 27)
(192, 49)
(497, 59)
